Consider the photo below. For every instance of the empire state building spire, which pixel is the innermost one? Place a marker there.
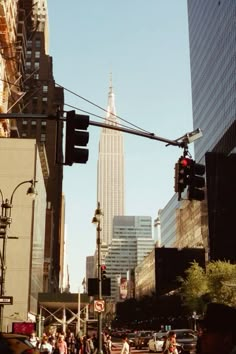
(111, 110)
(110, 171)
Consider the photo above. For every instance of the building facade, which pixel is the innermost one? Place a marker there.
(212, 58)
(212, 36)
(132, 241)
(110, 171)
(41, 96)
(24, 251)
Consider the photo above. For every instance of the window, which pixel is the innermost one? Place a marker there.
(36, 76)
(43, 126)
(37, 54)
(37, 43)
(28, 54)
(43, 138)
(36, 65)
(28, 65)
(45, 88)
(33, 124)
(44, 99)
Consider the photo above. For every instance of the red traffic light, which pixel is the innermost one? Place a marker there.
(184, 161)
(103, 267)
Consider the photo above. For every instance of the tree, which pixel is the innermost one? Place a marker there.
(216, 284)
(221, 278)
(193, 287)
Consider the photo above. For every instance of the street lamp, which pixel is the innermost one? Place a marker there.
(97, 221)
(5, 221)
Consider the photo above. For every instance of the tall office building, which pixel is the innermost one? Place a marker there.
(42, 97)
(132, 241)
(212, 34)
(110, 171)
(212, 31)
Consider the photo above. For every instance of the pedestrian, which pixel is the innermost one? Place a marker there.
(89, 347)
(125, 345)
(170, 339)
(95, 342)
(171, 349)
(71, 343)
(34, 340)
(219, 330)
(45, 347)
(61, 346)
(109, 344)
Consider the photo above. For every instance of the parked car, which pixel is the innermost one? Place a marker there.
(187, 338)
(16, 344)
(142, 338)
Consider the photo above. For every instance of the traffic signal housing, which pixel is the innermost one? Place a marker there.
(182, 174)
(103, 272)
(76, 137)
(196, 182)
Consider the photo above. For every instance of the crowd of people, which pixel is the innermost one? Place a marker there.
(60, 343)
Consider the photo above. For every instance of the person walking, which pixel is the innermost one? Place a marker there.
(45, 347)
(61, 346)
(125, 346)
(109, 344)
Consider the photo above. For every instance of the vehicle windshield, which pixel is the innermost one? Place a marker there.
(185, 335)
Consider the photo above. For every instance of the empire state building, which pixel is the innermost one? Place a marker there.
(110, 171)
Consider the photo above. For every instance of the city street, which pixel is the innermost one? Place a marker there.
(118, 345)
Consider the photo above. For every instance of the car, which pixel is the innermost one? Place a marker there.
(11, 343)
(131, 337)
(187, 338)
(155, 344)
(141, 339)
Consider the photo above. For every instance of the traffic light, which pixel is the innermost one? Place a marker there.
(196, 182)
(76, 136)
(103, 272)
(182, 174)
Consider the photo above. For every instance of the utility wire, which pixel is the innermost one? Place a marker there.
(103, 109)
(96, 115)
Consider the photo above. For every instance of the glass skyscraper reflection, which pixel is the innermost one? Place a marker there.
(212, 38)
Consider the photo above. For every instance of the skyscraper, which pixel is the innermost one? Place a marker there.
(212, 37)
(110, 171)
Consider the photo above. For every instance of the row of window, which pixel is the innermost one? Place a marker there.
(42, 136)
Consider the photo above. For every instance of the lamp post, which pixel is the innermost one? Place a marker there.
(5, 221)
(97, 220)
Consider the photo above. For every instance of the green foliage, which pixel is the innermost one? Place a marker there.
(216, 284)
(193, 287)
(221, 278)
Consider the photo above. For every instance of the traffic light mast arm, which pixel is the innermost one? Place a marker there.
(181, 142)
(139, 133)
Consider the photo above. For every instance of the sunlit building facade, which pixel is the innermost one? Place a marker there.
(110, 192)
(132, 241)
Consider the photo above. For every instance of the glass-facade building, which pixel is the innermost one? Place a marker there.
(132, 241)
(212, 38)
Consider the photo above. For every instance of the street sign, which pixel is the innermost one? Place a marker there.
(99, 305)
(6, 300)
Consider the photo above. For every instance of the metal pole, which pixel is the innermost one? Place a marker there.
(5, 220)
(99, 285)
(78, 315)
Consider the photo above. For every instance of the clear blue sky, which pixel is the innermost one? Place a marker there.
(145, 46)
